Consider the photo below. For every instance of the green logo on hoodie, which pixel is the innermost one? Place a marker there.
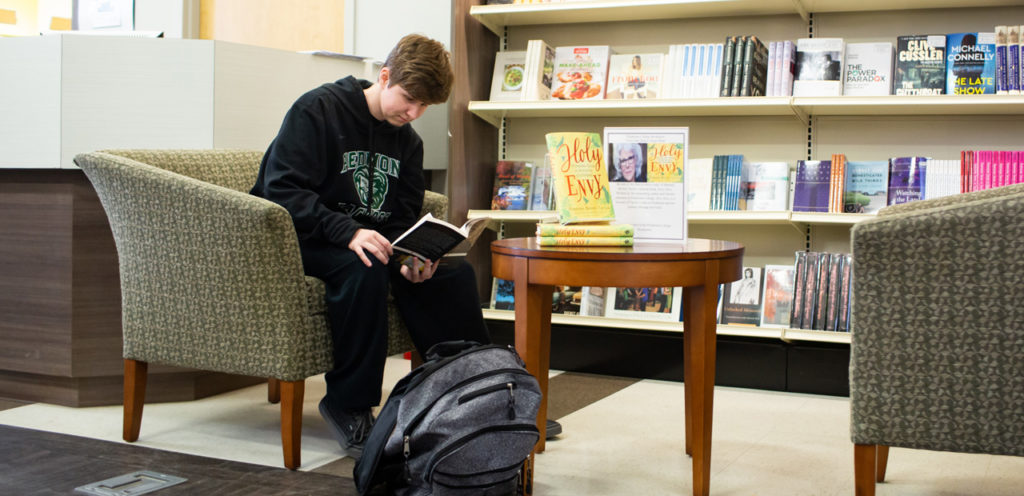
(356, 162)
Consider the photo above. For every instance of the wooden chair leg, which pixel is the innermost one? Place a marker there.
(883, 460)
(291, 422)
(864, 469)
(415, 359)
(134, 397)
(273, 390)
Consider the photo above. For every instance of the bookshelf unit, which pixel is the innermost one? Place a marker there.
(760, 128)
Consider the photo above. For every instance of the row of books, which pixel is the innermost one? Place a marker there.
(926, 64)
(592, 234)
(727, 182)
(518, 185)
(652, 304)
(813, 293)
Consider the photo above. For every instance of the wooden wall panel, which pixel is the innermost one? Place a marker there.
(306, 25)
(474, 143)
(35, 260)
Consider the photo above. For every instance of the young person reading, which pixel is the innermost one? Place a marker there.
(348, 167)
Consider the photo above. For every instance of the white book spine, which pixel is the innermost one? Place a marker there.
(773, 53)
(716, 67)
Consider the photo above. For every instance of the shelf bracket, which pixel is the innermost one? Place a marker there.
(799, 112)
(798, 6)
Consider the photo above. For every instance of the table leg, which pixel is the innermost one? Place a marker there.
(533, 336)
(700, 308)
(687, 390)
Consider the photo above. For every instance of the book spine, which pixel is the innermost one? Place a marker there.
(834, 292)
(773, 55)
(728, 51)
(1013, 59)
(619, 230)
(799, 280)
(737, 65)
(821, 306)
(584, 241)
(1002, 84)
(810, 289)
(843, 325)
(747, 66)
(716, 79)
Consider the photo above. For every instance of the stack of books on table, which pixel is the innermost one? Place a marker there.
(595, 234)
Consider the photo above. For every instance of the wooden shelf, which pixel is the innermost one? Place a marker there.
(497, 17)
(738, 217)
(647, 325)
(514, 215)
(818, 336)
(797, 107)
(493, 112)
(821, 218)
(712, 217)
(912, 105)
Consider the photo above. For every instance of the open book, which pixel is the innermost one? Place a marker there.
(431, 238)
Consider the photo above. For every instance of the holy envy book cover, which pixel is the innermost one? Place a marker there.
(579, 177)
(813, 178)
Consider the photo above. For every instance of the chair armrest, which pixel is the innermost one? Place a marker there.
(436, 204)
(210, 277)
(937, 355)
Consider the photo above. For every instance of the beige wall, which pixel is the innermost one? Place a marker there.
(284, 24)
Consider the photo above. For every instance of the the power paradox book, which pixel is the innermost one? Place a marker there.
(431, 238)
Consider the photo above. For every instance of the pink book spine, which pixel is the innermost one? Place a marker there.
(979, 158)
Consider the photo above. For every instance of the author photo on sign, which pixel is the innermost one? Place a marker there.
(629, 163)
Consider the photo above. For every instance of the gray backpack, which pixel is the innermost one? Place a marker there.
(462, 423)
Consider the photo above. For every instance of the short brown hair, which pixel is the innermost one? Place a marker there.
(422, 67)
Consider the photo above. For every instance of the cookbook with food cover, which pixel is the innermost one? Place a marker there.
(581, 72)
(507, 81)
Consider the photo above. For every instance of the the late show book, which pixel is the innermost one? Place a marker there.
(431, 238)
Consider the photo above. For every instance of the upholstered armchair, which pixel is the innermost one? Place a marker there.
(937, 360)
(211, 277)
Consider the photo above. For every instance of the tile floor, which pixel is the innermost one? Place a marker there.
(621, 437)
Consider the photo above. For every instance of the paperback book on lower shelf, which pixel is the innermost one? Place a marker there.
(778, 295)
(741, 300)
(654, 303)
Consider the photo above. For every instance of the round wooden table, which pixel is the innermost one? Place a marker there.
(698, 265)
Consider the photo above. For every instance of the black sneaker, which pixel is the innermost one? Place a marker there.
(553, 429)
(350, 427)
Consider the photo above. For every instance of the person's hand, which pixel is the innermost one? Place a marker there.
(417, 270)
(370, 242)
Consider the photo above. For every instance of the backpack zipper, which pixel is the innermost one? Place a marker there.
(510, 386)
(458, 443)
(426, 408)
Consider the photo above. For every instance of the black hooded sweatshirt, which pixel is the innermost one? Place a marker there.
(318, 167)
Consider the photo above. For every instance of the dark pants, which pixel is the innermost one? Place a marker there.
(443, 308)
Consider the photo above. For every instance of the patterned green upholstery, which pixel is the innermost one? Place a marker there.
(211, 276)
(937, 360)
